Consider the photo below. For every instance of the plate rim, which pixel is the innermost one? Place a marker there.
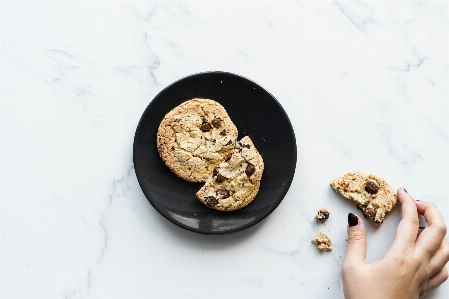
(228, 231)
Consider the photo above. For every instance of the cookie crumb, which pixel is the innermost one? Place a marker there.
(322, 214)
(322, 242)
(235, 182)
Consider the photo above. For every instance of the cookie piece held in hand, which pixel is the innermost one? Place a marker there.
(322, 242)
(235, 182)
(372, 194)
(322, 214)
(194, 137)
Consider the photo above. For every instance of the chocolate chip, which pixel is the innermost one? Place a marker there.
(223, 133)
(216, 122)
(205, 127)
(370, 213)
(246, 145)
(229, 143)
(172, 148)
(203, 119)
(371, 187)
(210, 201)
(250, 169)
(224, 193)
(220, 178)
(228, 157)
(215, 172)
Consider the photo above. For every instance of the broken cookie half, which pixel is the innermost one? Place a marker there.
(235, 182)
(372, 194)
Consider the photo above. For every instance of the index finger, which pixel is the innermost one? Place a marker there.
(430, 239)
(405, 237)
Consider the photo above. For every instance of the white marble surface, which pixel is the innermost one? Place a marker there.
(365, 85)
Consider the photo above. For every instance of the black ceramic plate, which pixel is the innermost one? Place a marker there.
(256, 113)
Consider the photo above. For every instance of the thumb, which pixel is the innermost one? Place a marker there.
(356, 251)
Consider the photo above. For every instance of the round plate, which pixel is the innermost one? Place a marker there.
(256, 113)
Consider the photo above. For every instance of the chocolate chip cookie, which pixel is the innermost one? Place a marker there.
(195, 137)
(372, 194)
(235, 182)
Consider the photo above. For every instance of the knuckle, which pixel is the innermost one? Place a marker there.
(444, 275)
(446, 256)
(414, 221)
(406, 262)
(401, 260)
(442, 230)
(355, 238)
(445, 249)
(432, 205)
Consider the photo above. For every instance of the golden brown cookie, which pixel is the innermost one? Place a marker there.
(372, 194)
(195, 137)
(235, 182)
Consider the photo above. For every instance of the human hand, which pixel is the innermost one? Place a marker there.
(414, 264)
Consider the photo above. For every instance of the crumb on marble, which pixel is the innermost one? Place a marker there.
(322, 242)
(322, 214)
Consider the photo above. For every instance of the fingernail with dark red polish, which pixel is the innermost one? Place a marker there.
(352, 220)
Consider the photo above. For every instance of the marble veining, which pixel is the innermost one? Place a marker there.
(363, 82)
